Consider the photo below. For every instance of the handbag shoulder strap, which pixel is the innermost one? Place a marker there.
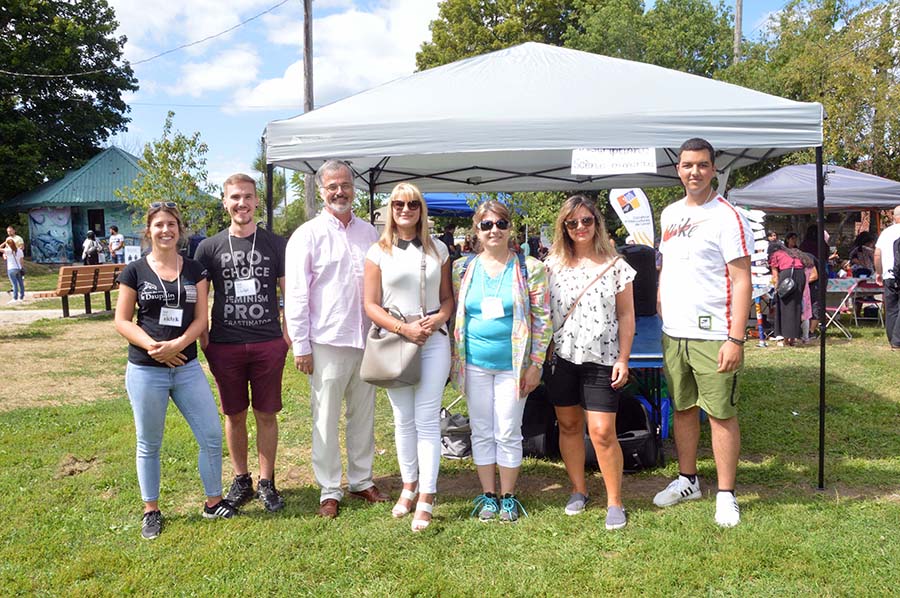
(585, 289)
(422, 284)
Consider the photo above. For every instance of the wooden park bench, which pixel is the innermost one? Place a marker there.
(84, 280)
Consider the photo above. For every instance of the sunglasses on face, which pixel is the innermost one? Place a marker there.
(487, 225)
(586, 222)
(162, 204)
(412, 206)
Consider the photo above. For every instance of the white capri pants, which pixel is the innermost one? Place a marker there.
(417, 416)
(495, 416)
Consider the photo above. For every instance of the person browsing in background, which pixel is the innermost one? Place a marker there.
(886, 270)
(247, 344)
(90, 249)
(327, 325)
(501, 333)
(13, 254)
(704, 302)
(592, 305)
(170, 295)
(393, 279)
(11, 232)
(116, 245)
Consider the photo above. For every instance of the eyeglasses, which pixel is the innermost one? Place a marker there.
(412, 206)
(345, 187)
(586, 222)
(162, 204)
(487, 225)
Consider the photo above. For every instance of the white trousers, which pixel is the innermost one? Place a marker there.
(495, 415)
(417, 417)
(335, 378)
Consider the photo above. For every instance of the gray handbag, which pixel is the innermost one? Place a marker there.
(391, 360)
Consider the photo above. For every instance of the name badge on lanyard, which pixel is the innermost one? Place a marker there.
(245, 288)
(170, 316)
(491, 308)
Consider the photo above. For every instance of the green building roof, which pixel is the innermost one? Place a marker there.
(94, 183)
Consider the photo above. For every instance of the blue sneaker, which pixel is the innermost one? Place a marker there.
(509, 508)
(486, 506)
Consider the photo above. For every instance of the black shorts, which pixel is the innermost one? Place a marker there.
(586, 384)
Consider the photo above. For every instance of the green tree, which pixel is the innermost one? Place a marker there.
(51, 124)
(609, 27)
(843, 55)
(467, 28)
(173, 168)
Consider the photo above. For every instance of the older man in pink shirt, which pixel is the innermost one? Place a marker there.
(327, 324)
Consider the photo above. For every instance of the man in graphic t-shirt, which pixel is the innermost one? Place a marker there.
(246, 344)
(704, 302)
(116, 245)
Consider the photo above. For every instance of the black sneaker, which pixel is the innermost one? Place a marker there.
(269, 496)
(221, 510)
(151, 524)
(241, 490)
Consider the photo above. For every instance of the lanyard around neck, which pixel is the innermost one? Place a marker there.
(249, 263)
(177, 285)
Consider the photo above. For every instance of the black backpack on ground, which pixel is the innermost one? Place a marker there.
(636, 434)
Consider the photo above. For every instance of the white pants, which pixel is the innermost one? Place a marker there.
(495, 415)
(417, 417)
(336, 377)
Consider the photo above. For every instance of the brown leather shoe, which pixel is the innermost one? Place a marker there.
(371, 494)
(328, 508)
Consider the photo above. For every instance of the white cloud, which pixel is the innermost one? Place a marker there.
(235, 67)
(353, 50)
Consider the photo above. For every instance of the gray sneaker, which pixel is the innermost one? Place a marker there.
(577, 503)
(616, 518)
(151, 525)
(486, 506)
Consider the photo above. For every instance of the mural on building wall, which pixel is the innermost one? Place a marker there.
(50, 230)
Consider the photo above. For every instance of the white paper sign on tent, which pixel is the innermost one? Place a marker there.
(607, 161)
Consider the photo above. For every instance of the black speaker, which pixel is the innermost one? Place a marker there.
(643, 260)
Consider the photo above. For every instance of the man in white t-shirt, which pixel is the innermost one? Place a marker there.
(884, 274)
(116, 245)
(704, 301)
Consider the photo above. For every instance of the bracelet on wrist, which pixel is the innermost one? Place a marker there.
(398, 327)
(737, 341)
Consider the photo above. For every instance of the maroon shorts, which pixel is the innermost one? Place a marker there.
(260, 365)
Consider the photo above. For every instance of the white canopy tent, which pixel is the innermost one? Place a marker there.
(508, 121)
(792, 190)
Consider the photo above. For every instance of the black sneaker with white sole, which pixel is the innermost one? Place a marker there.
(221, 510)
(269, 496)
(151, 525)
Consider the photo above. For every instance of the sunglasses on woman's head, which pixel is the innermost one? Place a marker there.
(162, 204)
(585, 222)
(412, 206)
(487, 225)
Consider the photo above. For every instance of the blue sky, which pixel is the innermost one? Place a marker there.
(228, 88)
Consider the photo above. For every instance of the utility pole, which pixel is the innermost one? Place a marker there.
(308, 180)
(738, 19)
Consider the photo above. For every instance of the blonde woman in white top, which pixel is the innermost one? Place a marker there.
(392, 279)
(592, 347)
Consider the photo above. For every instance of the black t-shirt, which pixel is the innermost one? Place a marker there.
(253, 317)
(150, 300)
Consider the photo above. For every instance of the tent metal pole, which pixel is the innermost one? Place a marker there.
(372, 183)
(270, 175)
(823, 285)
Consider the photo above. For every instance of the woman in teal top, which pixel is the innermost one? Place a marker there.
(501, 333)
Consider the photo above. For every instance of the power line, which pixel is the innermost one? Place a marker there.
(154, 57)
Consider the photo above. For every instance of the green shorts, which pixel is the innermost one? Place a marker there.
(690, 366)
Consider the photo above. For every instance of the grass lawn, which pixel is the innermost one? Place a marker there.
(70, 508)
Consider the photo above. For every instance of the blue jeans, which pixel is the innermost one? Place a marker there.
(17, 282)
(149, 389)
(119, 258)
